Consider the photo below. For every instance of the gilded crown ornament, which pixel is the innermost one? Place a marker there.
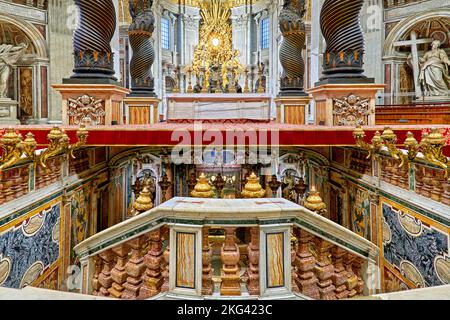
(315, 203)
(431, 146)
(60, 143)
(253, 188)
(202, 189)
(144, 202)
(14, 148)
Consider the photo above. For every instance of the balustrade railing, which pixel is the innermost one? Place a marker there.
(286, 250)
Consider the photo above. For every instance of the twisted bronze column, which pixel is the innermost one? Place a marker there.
(341, 28)
(92, 40)
(293, 30)
(140, 32)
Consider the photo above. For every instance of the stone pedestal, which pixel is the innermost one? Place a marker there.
(345, 104)
(292, 110)
(8, 112)
(92, 104)
(141, 110)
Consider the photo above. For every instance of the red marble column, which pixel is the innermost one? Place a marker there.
(387, 170)
(352, 279)
(166, 268)
(307, 282)
(357, 267)
(339, 277)
(438, 186)
(135, 267)
(419, 179)
(294, 271)
(152, 278)
(16, 188)
(230, 257)
(253, 265)
(24, 175)
(97, 269)
(2, 188)
(446, 195)
(403, 177)
(324, 270)
(207, 284)
(118, 273)
(427, 183)
(104, 278)
(395, 176)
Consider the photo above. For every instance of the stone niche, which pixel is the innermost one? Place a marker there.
(27, 86)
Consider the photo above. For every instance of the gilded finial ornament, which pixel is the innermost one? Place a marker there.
(431, 146)
(14, 148)
(253, 188)
(202, 189)
(60, 143)
(143, 202)
(315, 203)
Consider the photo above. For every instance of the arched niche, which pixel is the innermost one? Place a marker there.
(399, 74)
(28, 82)
(126, 167)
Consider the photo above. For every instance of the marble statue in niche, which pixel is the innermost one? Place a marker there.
(9, 55)
(434, 71)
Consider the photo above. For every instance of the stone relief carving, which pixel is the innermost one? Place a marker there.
(351, 111)
(86, 110)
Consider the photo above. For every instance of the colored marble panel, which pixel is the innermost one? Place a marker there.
(360, 211)
(186, 252)
(139, 115)
(275, 260)
(44, 89)
(29, 248)
(416, 249)
(80, 206)
(26, 92)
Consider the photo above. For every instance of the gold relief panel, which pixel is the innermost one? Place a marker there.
(26, 92)
(275, 260)
(185, 258)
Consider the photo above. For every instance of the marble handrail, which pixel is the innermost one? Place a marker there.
(231, 212)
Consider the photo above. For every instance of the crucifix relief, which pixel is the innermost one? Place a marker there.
(415, 57)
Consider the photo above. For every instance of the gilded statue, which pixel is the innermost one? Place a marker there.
(434, 71)
(9, 55)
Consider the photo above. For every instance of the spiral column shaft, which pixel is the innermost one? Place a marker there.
(92, 39)
(291, 59)
(140, 33)
(342, 31)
